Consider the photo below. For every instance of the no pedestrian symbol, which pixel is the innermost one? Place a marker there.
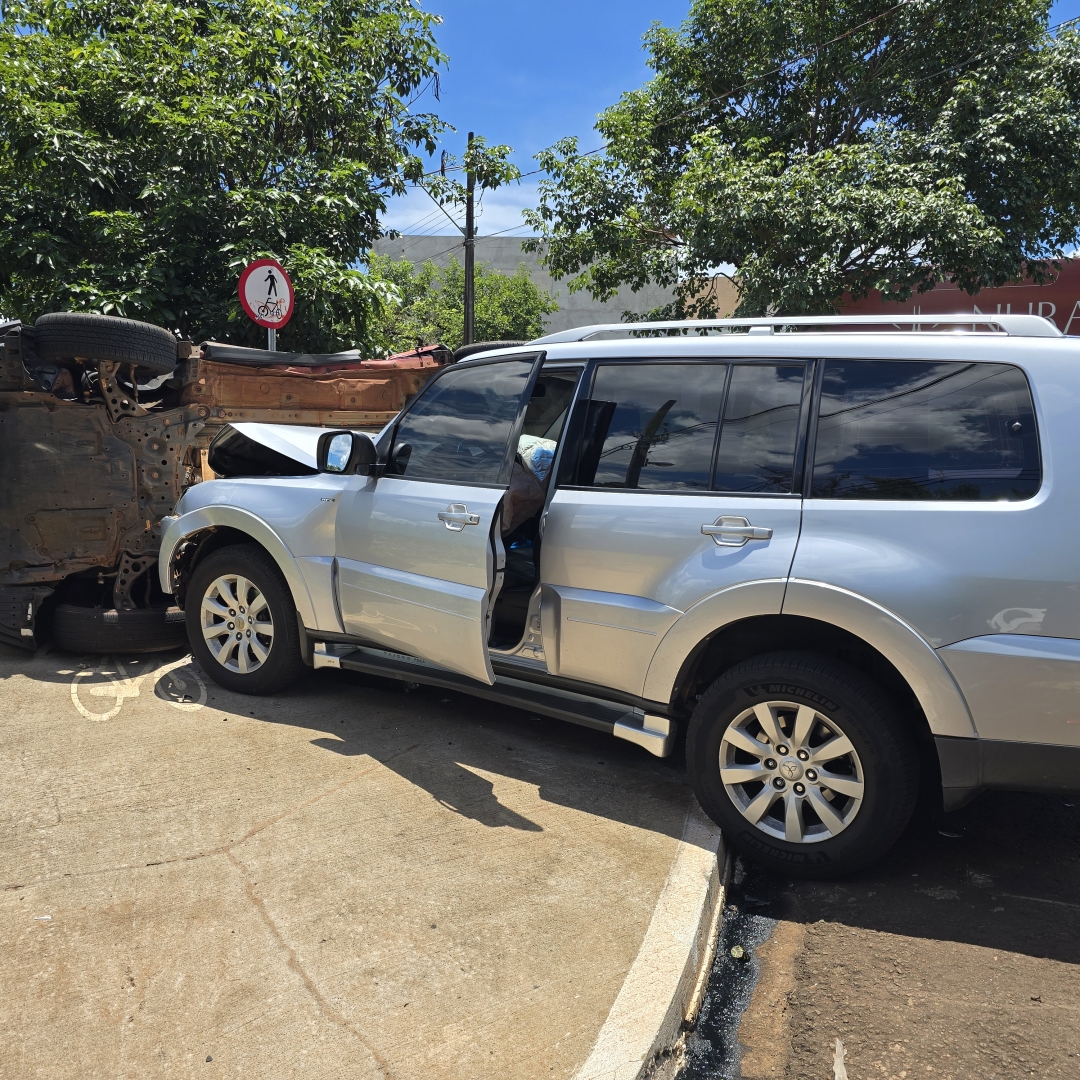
(266, 293)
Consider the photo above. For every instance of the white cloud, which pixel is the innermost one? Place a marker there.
(498, 211)
(501, 209)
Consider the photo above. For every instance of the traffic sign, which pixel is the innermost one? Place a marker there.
(266, 293)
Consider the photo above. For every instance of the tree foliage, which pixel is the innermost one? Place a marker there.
(429, 305)
(828, 148)
(150, 148)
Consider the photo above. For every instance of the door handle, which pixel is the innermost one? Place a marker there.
(734, 532)
(456, 516)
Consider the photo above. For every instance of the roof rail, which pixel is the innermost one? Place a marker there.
(1012, 325)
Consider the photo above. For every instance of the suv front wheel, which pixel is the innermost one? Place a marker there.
(805, 764)
(241, 621)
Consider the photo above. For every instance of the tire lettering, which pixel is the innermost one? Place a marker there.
(801, 858)
(790, 690)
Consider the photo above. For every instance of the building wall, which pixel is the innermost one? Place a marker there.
(504, 253)
(1059, 301)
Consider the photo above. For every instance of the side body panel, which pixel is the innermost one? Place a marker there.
(719, 609)
(930, 681)
(406, 581)
(292, 517)
(951, 570)
(1020, 683)
(626, 565)
(364, 394)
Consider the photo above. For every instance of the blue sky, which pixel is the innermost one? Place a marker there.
(527, 73)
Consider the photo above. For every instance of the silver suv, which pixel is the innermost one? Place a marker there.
(836, 559)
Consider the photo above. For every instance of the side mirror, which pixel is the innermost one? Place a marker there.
(344, 452)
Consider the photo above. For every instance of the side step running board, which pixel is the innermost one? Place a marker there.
(655, 733)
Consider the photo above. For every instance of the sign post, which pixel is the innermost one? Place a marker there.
(266, 295)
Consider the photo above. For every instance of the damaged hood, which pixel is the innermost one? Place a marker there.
(298, 443)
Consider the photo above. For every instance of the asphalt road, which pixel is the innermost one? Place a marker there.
(956, 957)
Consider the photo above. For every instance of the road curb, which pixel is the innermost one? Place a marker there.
(663, 988)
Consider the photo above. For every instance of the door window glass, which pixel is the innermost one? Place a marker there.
(460, 428)
(903, 429)
(651, 426)
(760, 430)
(550, 401)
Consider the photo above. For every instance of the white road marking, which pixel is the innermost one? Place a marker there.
(172, 687)
(839, 1069)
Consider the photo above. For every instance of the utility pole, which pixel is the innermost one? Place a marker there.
(470, 255)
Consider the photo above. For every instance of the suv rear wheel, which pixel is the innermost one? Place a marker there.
(241, 621)
(805, 764)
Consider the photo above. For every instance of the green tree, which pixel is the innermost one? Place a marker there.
(429, 304)
(149, 149)
(828, 148)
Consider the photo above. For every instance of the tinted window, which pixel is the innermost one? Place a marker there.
(918, 430)
(761, 426)
(549, 403)
(460, 427)
(651, 426)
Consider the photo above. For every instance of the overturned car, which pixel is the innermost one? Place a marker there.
(104, 423)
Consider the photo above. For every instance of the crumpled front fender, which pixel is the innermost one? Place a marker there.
(231, 517)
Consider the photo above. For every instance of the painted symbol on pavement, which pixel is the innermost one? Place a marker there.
(178, 683)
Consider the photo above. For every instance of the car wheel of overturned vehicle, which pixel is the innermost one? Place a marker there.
(64, 334)
(96, 630)
(241, 621)
(805, 764)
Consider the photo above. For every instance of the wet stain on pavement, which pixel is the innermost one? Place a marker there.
(712, 1048)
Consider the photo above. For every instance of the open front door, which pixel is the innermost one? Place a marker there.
(416, 562)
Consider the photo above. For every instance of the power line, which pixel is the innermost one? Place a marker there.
(486, 236)
(441, 207)
(428, 217)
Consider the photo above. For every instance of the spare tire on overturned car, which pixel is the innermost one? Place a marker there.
(62, 335)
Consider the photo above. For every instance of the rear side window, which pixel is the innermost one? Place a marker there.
(760, 429)
(902, 429)
(652, 426)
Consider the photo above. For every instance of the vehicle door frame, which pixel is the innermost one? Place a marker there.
(570, 451)
(385, 444)
(385, 449)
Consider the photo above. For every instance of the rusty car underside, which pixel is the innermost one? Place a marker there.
(95, 456)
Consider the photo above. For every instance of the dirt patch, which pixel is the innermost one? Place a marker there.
(957, 957)
(765, 1031)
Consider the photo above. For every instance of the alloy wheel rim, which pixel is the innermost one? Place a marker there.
(237, 625)
(791, 772)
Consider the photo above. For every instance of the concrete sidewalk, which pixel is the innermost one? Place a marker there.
(344, 881)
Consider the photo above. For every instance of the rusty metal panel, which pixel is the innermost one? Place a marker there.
(77, 489)
(361, 395)
(372, 391)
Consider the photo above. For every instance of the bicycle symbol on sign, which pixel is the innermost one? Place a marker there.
(271, 309)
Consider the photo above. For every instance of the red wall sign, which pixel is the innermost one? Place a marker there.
(266, 293)
(1059, 301)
